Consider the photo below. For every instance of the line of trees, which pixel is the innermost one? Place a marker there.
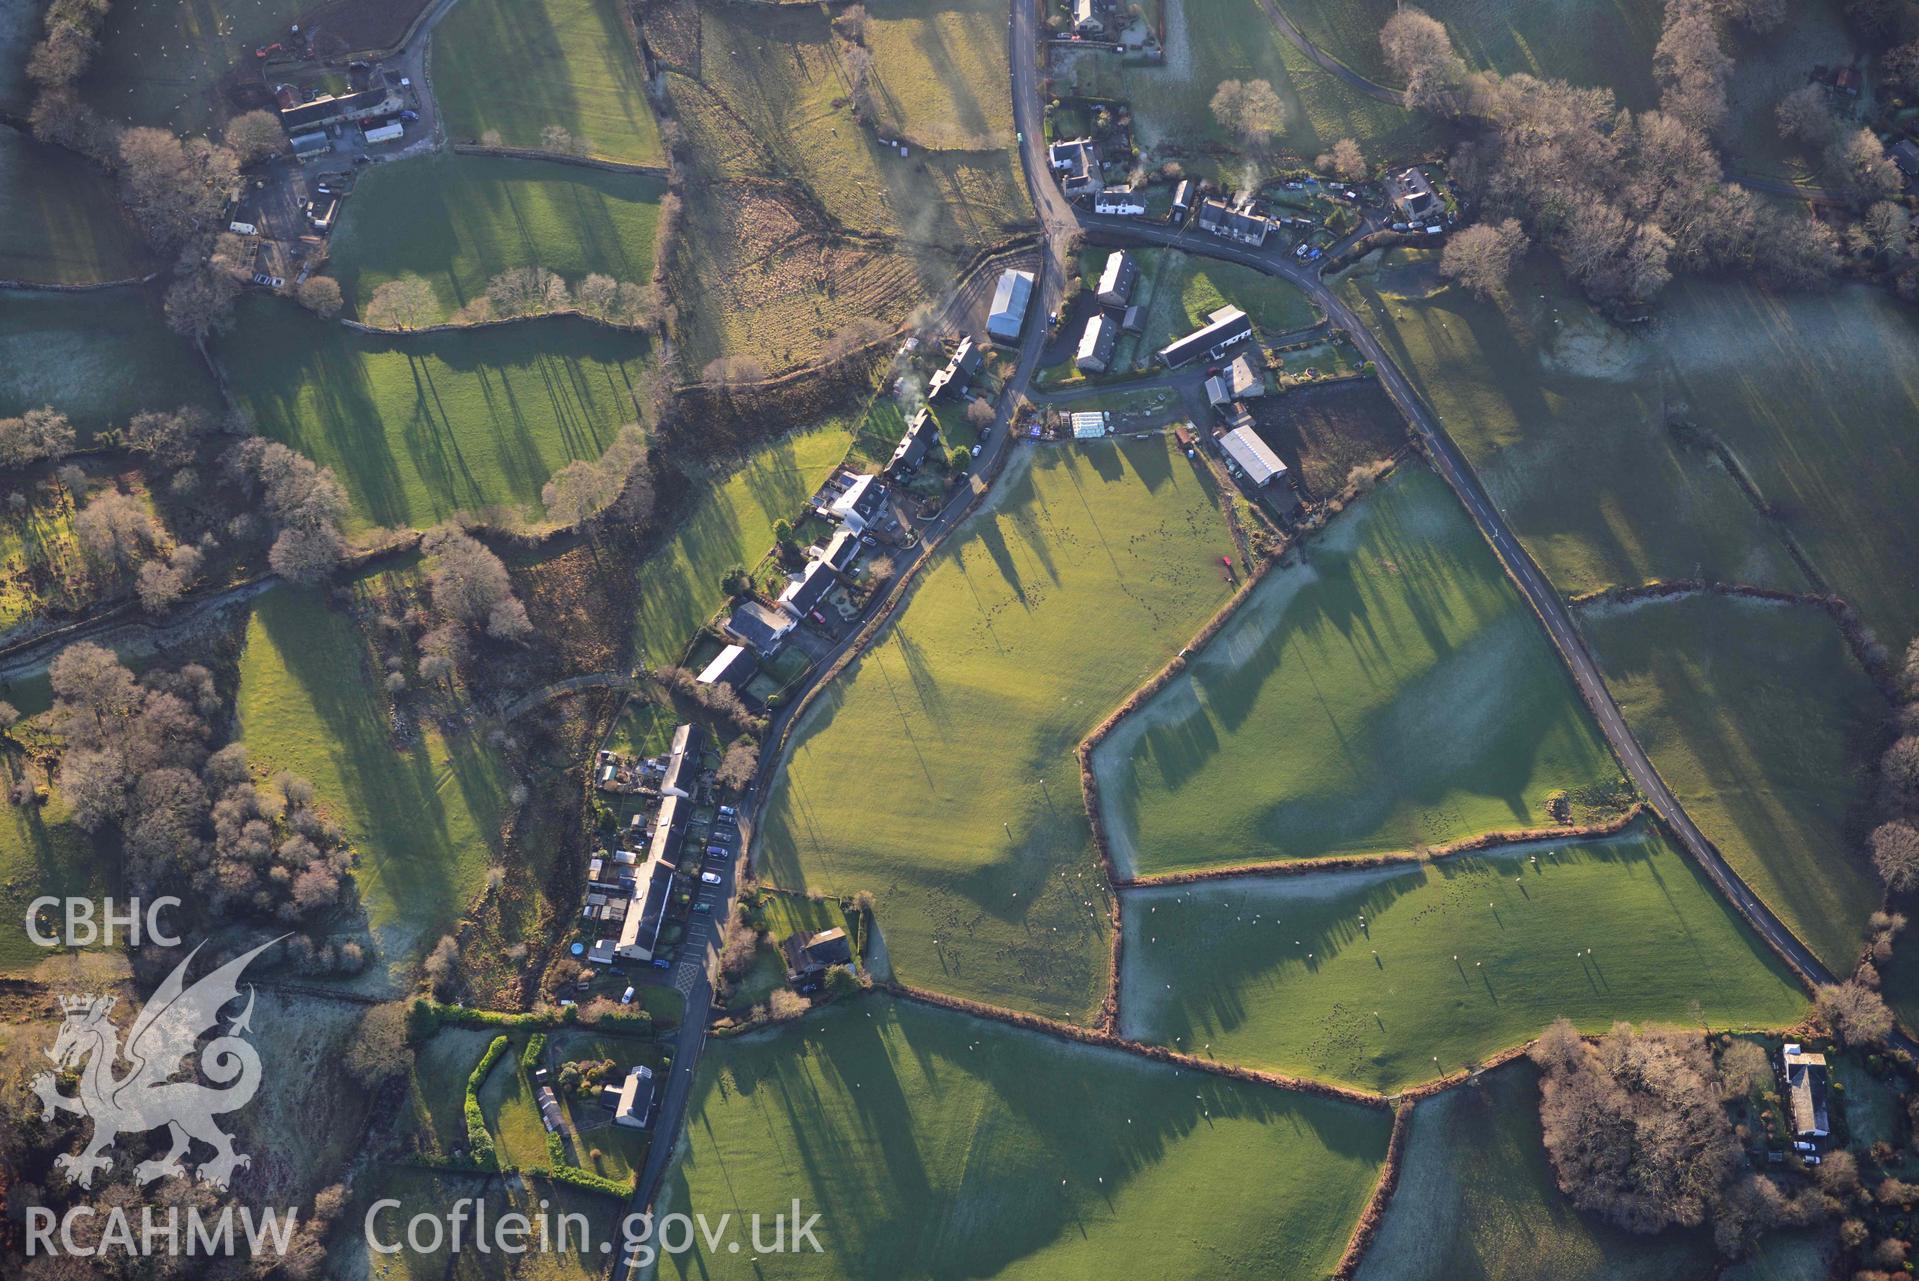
(409, 302)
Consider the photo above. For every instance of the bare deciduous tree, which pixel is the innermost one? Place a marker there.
(405, 302)
(319, 295)
(1251, 110)
(1482, 257)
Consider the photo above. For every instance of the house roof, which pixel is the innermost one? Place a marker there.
(839, 551)
(919, 437)
(1224, 325)
(1806, 1088)
(734, 665)
(1252, 455)
(1011, 296)
(758, 626)
(1116, 280)
(1242, 379)
(323, 110)
(861, 498)
(684, 761)
(1097, 339)
(634, 1102)
(808, 952)
(1905, 154)
(1183, 194)
(808, 589)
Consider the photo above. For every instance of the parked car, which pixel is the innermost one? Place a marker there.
(409, 116)
(711, 878)
(626, 997)
(661, 963)
(727, 811)
(1800, 1145)
(702, 906)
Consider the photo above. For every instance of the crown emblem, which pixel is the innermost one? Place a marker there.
(86, 1004)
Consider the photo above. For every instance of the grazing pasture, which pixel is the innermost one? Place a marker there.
(935, 1145)
(99, 357)
(1766, 729)
(938, 770)
(939, 72)
(421, 427)
(461, 220)
(1477, 1201)
(1208, 41)
(1386, 977)
(423, 815)
(1565, 418)
(165, 63)
(1389, 690)
(60, 222)
(518, 67)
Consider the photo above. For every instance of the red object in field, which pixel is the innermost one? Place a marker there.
(1227, 561)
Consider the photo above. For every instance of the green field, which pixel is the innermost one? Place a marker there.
(1453, 962)
(939, 71)
(1763, 725)
(1563, 415)
(1208, 41)
(461, 220)
(41, 852)
(1392, 690)
(982, 1151)
(161, 62)
(938, 772)
(517, 66)
(1477, 1201)
(1551, 39)
(60, 222)
(20, 28)
(420, 427)
(731, 524)
(435, 1193)
(1815, 395)
(424, 819)
(99, 357)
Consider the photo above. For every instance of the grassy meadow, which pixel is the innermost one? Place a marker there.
(1208, 41)
(424, 818)
(461, 220)
(60, 222)
(939, 72)
(984, 1151)
(1390, 690)
(762, 93)
(20, 28)
(162, 62)
(938, 771)
(588, 1218)
(421, 427)
(98, 357)
(41, 852)
(1563, 415)
(1815, 395)
(1765, 728)
(1385, 977)
(1477, 1201)
(1551, 39)
(731, 524)
(515, 67)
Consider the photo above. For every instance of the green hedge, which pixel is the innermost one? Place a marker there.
(479, 1143)
(530, 1056)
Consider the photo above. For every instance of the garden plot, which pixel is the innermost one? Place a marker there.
(1386, 977)
(60, 222)
(1208, 41)
(1179, 291)
(938, 771)
(424, 816)
(937, 1145)
(99, 357)
(506, 71)
(461, 220)
(1389, 691)
(1564, 417)
(1477, 1201)
(731, 525)
(421, 427)
(1766, 729)
(1816, 396)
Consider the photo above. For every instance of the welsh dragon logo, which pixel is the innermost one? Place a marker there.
(166, 1032)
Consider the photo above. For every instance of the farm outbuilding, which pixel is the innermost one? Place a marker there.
(1011, 298)
(1224, 329)
(1117, 279)
(1253, 456)
(1095, 352)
